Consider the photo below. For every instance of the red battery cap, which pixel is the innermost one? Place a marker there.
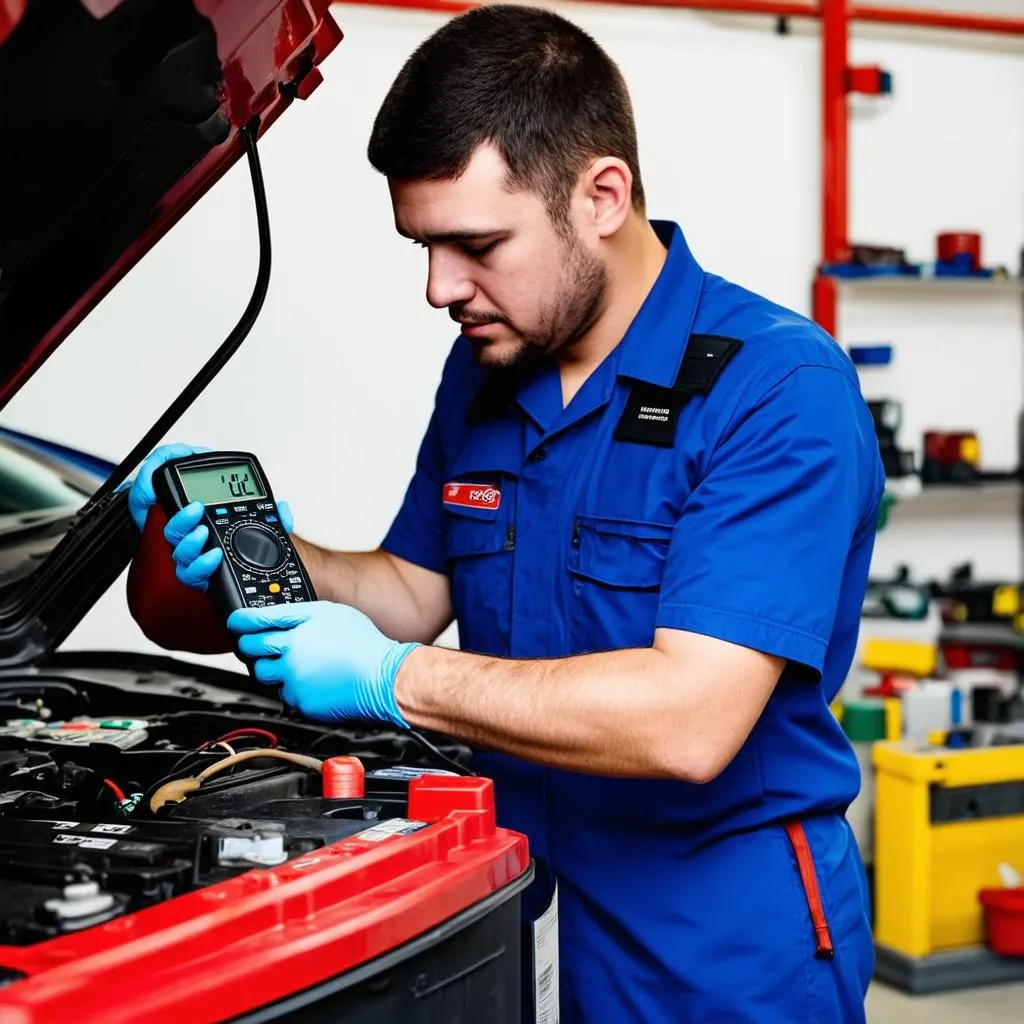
(344, 778)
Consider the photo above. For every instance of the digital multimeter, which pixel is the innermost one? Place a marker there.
(260, 566)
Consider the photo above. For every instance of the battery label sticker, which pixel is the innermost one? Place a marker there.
(472, 495)
(393, 827)
(545, 964)
(405, 773)
(85, 842)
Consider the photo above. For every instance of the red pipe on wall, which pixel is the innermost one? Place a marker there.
(438, 6)
(835, 130)
(774, 8)
(939, 19)
(834, 155)
(825, 302)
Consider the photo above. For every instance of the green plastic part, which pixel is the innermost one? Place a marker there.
(864, 720)
(888, 500)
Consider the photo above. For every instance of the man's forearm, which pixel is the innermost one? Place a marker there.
(636, 713)
(371, 582)
(335, 574)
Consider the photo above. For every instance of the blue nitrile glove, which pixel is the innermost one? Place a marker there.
(187, 535)
(333, 661)
(142, 495)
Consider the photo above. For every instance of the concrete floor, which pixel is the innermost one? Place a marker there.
(994, 1005)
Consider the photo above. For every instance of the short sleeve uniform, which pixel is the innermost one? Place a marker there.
(717, 473)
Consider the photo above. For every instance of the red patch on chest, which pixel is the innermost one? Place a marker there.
(471, 495)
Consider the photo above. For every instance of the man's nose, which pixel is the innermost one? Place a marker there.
(448, 282)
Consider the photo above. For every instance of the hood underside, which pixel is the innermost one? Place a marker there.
(117, 116)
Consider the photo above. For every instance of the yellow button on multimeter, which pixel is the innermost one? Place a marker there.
(274, 588)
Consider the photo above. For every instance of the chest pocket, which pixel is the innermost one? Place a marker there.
(479, 502)
(616, 567)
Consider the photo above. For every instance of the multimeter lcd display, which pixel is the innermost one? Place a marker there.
(219, 484)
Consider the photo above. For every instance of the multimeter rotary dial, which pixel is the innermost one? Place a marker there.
(256, 546)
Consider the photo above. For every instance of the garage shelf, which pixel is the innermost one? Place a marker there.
(984, 633)
(885, 284)
(995, 498)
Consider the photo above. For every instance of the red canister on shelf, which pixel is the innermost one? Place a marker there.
(952, 244)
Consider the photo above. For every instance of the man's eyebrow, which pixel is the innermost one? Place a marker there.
(455, 236)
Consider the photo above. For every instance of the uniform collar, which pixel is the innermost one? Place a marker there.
(652, 349)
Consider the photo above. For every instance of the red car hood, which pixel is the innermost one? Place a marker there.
(117, 115)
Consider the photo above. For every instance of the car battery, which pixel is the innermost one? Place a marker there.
(400, 902)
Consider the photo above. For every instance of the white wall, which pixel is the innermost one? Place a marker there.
(728, 115)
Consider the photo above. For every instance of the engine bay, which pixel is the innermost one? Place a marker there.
(127, 780)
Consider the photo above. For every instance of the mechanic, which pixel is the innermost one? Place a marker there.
(649, 499)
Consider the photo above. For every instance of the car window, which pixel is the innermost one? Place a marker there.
(27, 485)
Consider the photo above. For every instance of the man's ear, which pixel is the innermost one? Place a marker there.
(607, 187)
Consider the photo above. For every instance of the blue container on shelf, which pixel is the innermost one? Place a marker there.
(856, 270)
(961, 265)
(871, 355)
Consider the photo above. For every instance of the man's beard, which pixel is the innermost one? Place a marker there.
(577, 303)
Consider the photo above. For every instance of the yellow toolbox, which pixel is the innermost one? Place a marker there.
(880, 654)
(944, 820)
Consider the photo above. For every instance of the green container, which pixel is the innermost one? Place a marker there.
(864, 720)
(888, 500)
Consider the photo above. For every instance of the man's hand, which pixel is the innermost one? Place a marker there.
(142, 495)
(333, 661)
(187, 535)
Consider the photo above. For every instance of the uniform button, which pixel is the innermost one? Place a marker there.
(274, 588)
(539, 455)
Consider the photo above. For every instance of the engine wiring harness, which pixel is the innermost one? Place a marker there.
(173, 787)
(177, 790)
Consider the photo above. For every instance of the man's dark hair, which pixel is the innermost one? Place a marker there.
(529, 82)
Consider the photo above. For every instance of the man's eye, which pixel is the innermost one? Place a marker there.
(482, 250)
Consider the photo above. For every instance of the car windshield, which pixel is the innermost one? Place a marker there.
(31, 491)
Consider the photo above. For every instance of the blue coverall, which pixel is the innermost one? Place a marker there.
(732, 493)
